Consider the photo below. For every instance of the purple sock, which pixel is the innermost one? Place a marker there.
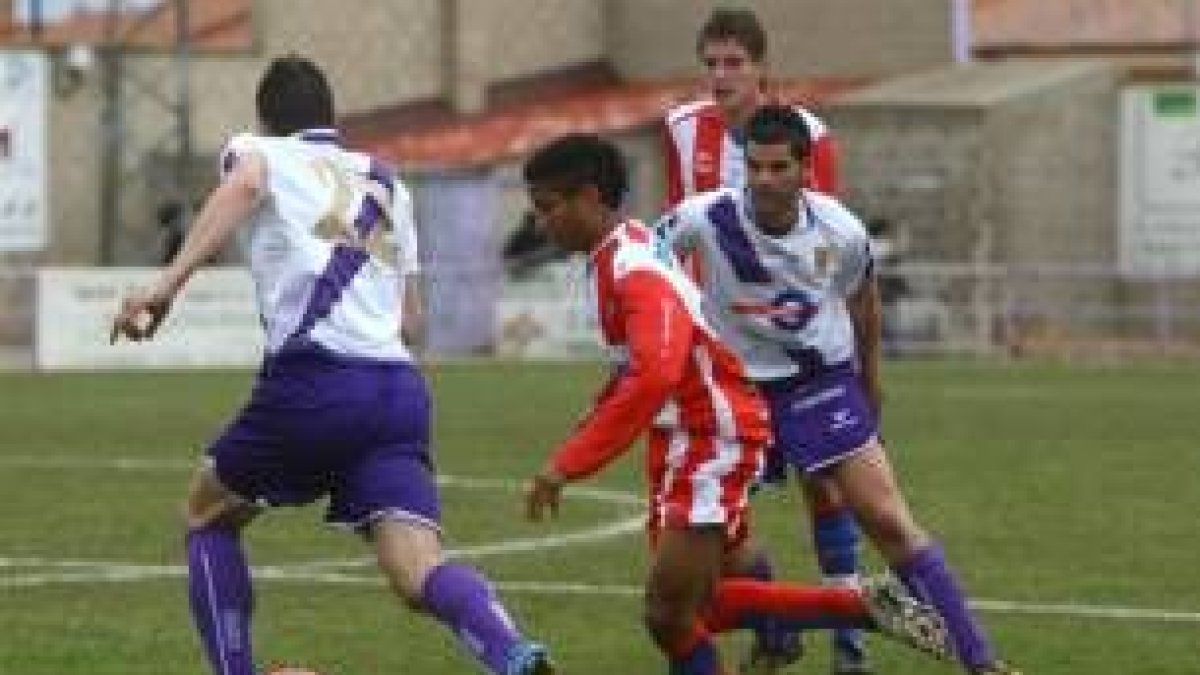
(222, 598)
(463, 600)
(929, 579)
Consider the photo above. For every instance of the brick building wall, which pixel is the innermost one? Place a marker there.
(656, 38)
(383, 53)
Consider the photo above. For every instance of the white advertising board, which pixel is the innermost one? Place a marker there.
(24, 88)
(1160, 181)
(545, 316)
(214, 323)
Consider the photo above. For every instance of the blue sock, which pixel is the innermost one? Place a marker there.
(769, 632)
(930, 580)
(696, 656)
(222, 598)
(836, 539)
(459, 597)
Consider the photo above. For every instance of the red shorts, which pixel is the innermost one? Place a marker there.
(699, 481)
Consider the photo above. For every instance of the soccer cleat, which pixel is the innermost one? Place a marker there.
(768, 659)
(849, 658)
(998, 668)
(529, 658)
(901, 617)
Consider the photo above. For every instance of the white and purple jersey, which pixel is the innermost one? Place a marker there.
(778, 301)
(329, 247)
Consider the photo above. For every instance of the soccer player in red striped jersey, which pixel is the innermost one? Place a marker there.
(700, 467)
(706, 150)
(704, 143)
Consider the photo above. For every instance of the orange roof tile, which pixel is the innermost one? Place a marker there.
(216, 25)
(1002, 25)
(511, 131)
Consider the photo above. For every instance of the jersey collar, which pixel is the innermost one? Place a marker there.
(320, 135)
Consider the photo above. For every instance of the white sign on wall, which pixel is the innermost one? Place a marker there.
(214, 322)
(545, 315)
(24, 91)
(1160, 180)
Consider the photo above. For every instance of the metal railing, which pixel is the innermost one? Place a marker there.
(1007, 311)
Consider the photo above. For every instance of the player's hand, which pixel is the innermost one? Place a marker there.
(140, 314)
(543, 494)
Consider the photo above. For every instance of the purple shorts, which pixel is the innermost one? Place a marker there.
(319, 424)
(819, 421)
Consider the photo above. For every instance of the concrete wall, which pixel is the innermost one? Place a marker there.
(382, 53)
(1015, 158)
(656, 38)
(1010, 163)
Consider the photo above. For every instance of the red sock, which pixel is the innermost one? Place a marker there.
(736, 599)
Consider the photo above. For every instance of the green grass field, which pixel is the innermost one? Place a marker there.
(1070, 494)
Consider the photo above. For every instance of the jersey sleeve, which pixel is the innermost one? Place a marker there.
(855, 261)
(674, 166)
(405, 232)
(679, 228)
(659, 333)
(236, 147)
(824, 166)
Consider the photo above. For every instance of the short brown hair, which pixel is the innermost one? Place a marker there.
(738, 25)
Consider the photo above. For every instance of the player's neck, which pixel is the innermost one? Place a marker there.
(777, 223)
(601, 229)
(776, 220)
(737, 116)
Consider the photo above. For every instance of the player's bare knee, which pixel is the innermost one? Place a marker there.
(894, 533)
(668, 613)
(666, 622)
(407, 587)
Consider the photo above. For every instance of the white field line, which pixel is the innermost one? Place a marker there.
(44, 571)
(136, 573)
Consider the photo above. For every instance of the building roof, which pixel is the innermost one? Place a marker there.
(216, 25)
(513, 129)
(977, 86)
(1104, 26)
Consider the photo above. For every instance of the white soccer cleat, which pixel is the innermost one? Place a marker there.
(902, 617)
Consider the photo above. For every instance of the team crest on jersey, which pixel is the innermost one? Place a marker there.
(369, 227)
(824, 261)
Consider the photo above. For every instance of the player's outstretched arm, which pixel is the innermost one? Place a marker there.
(228, 207)
(658, 333)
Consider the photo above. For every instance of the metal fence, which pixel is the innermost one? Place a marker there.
(1070, 311)
(1084, 311)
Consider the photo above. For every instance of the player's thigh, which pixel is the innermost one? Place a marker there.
(209, 502)
(869, 487)
(687, 563)
(407, 552)
(821, 493)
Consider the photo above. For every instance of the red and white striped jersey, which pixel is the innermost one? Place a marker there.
(703, 155)
(649, 315)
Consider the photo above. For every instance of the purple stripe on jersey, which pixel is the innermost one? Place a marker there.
(228, 161)
(384, 175)
(329, 286)
(734, 243)
(368, 216)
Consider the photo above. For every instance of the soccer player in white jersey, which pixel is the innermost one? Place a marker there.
(338, 409)
(699, 470)
(705, 149)
(789, 285)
